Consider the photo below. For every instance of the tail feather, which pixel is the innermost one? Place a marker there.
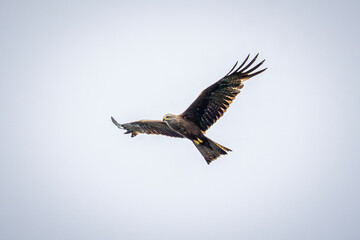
(210, 149)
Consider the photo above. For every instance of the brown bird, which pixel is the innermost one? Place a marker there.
(209, 106)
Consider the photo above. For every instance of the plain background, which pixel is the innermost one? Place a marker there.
(66, 172)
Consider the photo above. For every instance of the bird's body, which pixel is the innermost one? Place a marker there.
(192, 124)
(184, 127)
(188, 129)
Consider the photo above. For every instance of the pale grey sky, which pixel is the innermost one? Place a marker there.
(66, 172)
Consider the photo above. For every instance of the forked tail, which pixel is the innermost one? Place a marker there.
(210, 149)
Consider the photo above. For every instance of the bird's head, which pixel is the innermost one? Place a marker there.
(168, 117)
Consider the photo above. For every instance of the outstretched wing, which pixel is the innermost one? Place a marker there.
(148, 127)
(213, 102)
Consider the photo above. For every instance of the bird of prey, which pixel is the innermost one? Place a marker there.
(208, 107)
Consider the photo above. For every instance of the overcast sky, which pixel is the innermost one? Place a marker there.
(66, 172)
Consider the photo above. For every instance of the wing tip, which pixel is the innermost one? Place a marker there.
(248, 74)
(252, 75)
(241, 69)
(116, 123)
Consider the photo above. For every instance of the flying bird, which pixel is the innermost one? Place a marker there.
(208, 107)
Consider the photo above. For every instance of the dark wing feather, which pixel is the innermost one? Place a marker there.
(213, 102)
(148, 127)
